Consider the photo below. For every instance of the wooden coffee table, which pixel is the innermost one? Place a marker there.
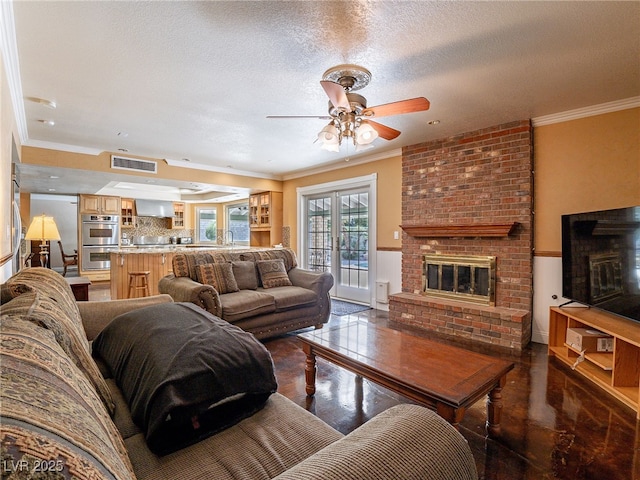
(445, 378)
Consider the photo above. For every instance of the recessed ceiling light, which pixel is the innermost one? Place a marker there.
(49, 123)
(54, 176)
(123, 134)
(434, 122)
(51, 189)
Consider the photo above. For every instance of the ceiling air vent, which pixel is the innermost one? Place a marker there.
(135, 164)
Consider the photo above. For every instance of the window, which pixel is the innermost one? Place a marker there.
(206, 225)
(238, 223)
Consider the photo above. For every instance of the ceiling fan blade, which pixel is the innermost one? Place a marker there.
(336, 94)
(385, 132)
(321, 117)
(397, 108)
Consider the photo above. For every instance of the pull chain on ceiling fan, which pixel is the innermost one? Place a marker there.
(349, 116)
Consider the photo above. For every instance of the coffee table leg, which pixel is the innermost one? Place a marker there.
(494, 409)
(452, 415)
(310, 371)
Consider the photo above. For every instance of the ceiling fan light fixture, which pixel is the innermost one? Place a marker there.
(330, 137)
(365, 134)
(331, 147)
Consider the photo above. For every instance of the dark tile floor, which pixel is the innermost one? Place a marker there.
(554, 423)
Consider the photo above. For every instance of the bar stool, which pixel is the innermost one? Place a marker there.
(138, 281)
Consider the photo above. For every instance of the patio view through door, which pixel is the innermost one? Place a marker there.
(337, 240)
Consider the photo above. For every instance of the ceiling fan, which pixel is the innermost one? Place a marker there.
(349, 116)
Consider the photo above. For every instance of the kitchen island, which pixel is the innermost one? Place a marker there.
(155, 260)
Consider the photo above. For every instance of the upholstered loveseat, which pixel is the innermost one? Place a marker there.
(61, 417)
(262, 291)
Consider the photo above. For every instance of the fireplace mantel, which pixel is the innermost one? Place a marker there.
(453, 230)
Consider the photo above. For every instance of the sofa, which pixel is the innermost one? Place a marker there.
(262, 291)
(63, 416)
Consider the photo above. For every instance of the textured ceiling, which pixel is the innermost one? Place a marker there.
(196, 80)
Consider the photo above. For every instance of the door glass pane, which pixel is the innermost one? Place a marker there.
(319, 234)
(354, 240)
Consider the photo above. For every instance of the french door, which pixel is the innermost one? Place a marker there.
(337, 239)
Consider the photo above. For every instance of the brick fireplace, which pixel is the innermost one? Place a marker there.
(470, 195)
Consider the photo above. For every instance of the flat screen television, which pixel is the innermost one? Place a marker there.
(601, 260)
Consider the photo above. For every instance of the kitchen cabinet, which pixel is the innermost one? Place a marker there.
(265, 219)
(100, 204)
(181, 218)
(127, 212)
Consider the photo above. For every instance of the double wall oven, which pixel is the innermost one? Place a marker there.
(99, 236)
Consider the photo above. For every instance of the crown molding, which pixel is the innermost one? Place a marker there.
(591, 111)
(345, 163)
(9, 49)
(63, 147)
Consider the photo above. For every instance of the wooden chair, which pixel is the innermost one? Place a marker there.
(67, 260)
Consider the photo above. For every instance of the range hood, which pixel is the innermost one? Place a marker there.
(154, 208)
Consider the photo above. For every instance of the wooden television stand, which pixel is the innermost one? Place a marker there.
(617, 372)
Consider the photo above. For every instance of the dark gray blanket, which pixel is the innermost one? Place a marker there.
(185, 373)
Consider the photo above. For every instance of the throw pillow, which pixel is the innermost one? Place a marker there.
(273, 273)
(218, 275)
(245, 274)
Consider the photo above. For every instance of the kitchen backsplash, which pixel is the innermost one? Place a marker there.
(152, 226)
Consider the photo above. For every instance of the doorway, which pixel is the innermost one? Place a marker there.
(338, 235)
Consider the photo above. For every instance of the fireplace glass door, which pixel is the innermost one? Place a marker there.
(337, 240)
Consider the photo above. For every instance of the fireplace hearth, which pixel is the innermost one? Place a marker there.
(468, 278)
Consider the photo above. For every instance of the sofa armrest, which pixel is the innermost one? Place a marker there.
(183, 289)
(319, 282)
(405, 441)
(97, 315)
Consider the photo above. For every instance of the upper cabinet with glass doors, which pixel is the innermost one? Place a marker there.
(265, 218)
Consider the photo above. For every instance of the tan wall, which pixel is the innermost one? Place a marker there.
(102, 163)
(583, 165)
(586, 164)
(389, 212)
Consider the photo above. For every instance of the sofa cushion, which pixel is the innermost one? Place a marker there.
(287, 298)
(285, 254)
(273, 273)
(245, 274)
(51, 412)
(185, 373)
(45, 312)
(218, 275)
(246, 303)
(268, 443)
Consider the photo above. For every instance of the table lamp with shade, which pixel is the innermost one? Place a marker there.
(43, 228)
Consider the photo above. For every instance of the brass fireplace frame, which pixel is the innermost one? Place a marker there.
(456, 262)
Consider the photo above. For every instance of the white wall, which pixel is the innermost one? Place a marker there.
(388, 269)
(64, 210)
(547, 283)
